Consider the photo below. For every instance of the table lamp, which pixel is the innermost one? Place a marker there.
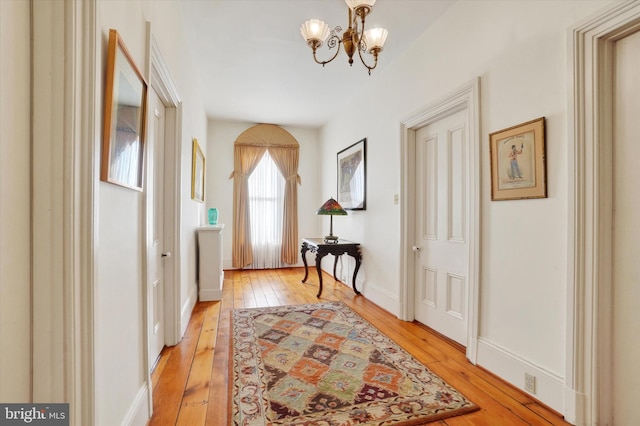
(331, 208)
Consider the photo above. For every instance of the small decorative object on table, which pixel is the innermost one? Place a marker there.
(213, 216)
(331, 207)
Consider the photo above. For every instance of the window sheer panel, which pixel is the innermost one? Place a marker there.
(266, 207)
(287, 159)
(246, 158)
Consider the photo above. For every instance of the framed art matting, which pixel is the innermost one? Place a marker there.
(518, 169)
(124, 118)
(352, 176)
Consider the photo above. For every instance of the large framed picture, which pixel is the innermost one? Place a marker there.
(197, 173)
(518, 169)
(125, 103)
(352, 176)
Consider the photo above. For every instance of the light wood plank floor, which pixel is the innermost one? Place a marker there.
(190, 381)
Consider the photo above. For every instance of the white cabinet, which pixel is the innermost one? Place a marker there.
(211, 275)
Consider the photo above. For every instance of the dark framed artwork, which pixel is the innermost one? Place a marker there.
(125, 101)
(518, 168)
(352, 176)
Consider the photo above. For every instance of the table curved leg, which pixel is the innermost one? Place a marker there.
(358, 259)
(319, 269)
(335, 264)
(303, 252)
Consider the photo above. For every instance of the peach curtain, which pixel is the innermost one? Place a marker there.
(249, 148)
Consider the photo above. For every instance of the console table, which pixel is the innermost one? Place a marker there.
(337, 249)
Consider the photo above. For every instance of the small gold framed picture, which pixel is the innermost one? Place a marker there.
(197, 173)
(518, 169)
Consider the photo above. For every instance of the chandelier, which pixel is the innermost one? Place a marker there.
(315, 32)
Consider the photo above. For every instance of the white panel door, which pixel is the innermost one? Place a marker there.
(626, 234)
(155, 190)
(441, 242)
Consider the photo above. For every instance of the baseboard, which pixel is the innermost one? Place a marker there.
(187, 308)
(549, 387)
(208, 295)
(138, 414)
(574, 406)
(227, 265)
(381, 297)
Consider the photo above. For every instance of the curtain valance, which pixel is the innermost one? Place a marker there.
(265, 135)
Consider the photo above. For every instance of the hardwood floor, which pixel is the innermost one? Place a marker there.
(190, 381)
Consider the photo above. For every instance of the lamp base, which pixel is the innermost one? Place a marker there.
(331, 239)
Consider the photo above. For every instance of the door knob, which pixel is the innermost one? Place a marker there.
(415, 249)
(167, 254)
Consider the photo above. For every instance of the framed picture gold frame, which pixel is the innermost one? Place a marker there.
(518, 169)
(198, 170)
(125, 106)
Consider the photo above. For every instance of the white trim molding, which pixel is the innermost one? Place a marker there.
(138, 413)
(162, 82)
(588, 379)
(467, 98)
(187, 308)
(64, 170)
(549, 386)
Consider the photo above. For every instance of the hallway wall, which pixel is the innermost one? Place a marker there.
(519, 51)
(120, 317)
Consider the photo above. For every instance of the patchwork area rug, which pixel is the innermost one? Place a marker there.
(324, 365)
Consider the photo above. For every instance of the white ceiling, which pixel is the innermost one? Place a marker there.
(253, 64)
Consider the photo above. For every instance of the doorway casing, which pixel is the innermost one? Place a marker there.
(65, 171)
(590, 125)
(464, 98)
(162, 83)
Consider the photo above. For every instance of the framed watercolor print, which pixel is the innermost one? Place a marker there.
(518, 169)
(352, 176)
(197, 173)
(125, 103)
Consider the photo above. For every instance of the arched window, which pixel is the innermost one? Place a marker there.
(249, 150)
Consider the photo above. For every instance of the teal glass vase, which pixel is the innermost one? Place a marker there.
(213, 216)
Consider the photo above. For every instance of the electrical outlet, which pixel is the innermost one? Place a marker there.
(530, 383)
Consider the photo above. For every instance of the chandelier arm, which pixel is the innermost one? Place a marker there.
(336, 40)
(362, 46)
(375, 63)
